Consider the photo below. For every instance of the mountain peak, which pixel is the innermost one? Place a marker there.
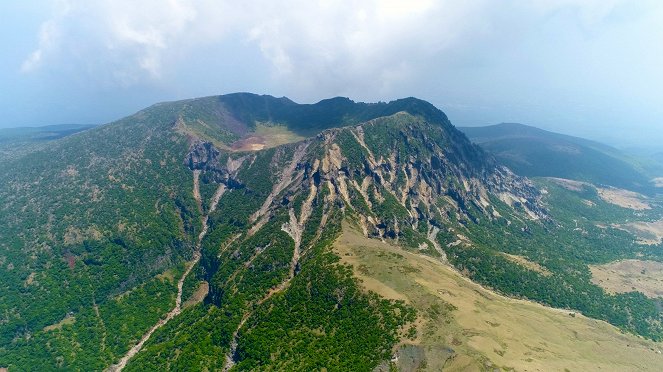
(230, 120)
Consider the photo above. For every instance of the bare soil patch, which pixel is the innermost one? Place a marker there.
(530, 265)
(266, 136)
(630, 275)
(624, 198)
(569, 184)
(647, 232)
(250, 143)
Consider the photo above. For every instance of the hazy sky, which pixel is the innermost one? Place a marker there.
(592, 68)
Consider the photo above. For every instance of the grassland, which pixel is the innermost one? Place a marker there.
(463, 326)
(624, 198)
(650, 233)
(266, 136)
(630, 275)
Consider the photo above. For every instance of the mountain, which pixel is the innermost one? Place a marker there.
(209, 234)
(534, 152)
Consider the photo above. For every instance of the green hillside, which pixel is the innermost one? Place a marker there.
(533, 152)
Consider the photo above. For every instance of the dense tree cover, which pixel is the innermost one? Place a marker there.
(321, 320)
(83, 220)
(565, 251)
(93, 336)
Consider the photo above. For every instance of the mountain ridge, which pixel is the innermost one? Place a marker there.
(535, 152)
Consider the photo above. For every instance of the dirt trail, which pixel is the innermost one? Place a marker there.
(180, 283)
(287, 175)
(432, 237)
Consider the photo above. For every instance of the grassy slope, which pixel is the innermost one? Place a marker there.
(484, 328)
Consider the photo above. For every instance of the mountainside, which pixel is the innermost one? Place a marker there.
(200, 234)
(534, 152)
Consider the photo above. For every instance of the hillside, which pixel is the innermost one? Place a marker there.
(534, 152)
(203, 234)
(463, 326)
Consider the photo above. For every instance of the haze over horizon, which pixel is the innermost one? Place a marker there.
(585, 68)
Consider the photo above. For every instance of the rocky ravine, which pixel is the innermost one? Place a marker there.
(430, 186)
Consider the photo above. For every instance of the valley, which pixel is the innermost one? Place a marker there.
(180, 283)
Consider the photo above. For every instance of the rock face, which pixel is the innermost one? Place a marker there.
(201, 153)
(400, 177)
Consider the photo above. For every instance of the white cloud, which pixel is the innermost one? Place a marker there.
(49, 35)
(316, 48)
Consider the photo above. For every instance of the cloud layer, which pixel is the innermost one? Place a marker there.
(312, 45)
(485, 60)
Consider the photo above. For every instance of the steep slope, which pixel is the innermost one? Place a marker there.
(533, 152)
(93, 229)
(399, 177)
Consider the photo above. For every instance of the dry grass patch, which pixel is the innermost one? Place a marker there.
(168, 275)
(650, 233)
(266, 136)
(68, 320)
(624, 198)
(524, 262)
(630, 275)
(198, 296)
(480, 329)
